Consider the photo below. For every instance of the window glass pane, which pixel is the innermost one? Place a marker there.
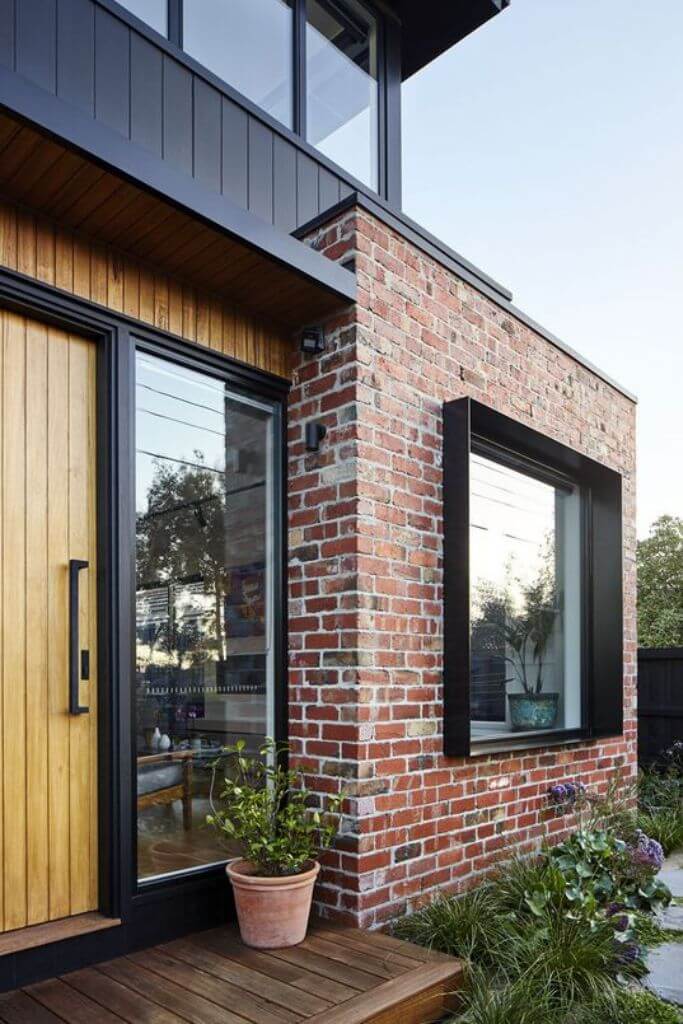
(204, 495)
(154, 12)
(249, 43)
(341, 85)
(526, 602)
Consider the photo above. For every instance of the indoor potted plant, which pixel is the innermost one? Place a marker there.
(527, 635)
(519, 632)
(263, 807)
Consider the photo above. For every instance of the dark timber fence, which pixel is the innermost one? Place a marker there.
(660, 699)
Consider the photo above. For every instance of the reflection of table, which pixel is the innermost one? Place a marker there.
(164, 778)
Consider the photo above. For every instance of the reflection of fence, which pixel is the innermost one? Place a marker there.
(487, 688)
(660, 699)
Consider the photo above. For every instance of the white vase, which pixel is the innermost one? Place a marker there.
(165, 742)
(156, 739)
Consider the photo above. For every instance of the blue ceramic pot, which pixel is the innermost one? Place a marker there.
(533, 711)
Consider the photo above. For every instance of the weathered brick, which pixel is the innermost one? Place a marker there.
(366, 586)
(407, 852)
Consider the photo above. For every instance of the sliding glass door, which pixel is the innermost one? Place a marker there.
(205, 513)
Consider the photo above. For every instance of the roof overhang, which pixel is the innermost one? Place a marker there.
(58, 162)
(430, 27)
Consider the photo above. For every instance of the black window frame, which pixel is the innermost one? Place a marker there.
(262, 387)
(468, 425)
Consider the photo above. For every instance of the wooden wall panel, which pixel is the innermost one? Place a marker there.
(37, 248)
(58, 596)
(14, 621)
(37, 766)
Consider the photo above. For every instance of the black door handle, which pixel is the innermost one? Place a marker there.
(79, 661)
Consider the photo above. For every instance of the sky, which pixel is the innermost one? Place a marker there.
(547, 148)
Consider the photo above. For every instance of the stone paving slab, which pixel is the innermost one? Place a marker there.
(665, 963)
(666, 972)
(672, 873)
(671, 918)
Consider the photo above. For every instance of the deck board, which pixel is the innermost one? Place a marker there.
(338, 975)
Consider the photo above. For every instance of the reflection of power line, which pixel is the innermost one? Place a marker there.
(196, 505)
(529, 510)
(179, 398)
(182, 423)
(180, 462)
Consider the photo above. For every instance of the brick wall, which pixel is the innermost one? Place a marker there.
(366, 577)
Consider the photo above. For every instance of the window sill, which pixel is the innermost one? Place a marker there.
(527, 741)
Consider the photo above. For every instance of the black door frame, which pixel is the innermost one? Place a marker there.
(154, 911)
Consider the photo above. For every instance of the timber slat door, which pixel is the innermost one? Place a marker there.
(48, 758)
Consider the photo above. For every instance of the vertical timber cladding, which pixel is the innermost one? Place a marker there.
(42, 250)
(48, 515)
(48, 758)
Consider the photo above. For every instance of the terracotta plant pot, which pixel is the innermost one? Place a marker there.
(272, 912)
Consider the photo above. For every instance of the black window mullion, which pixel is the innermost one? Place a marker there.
(175, 22)
(380, 140)
(299, 38)
(390, 139)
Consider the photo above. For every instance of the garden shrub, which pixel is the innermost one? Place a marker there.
(604, 874)
(569, 960)
(628, 1007)
(660, 812)
(468, 926)
(671, 759)
(552, 939)
(663, 824)
(507, 1002)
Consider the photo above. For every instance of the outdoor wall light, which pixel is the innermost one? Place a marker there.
(312, 341)
(315, 432)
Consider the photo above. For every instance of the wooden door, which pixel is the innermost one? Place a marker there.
(48, 756)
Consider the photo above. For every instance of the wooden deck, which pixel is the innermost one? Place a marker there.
(337, 976)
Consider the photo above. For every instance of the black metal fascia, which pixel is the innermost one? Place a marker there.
(118, 154)
(458, 265)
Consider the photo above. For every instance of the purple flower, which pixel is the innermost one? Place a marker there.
(647, 852)
(566, 792)
(629, 952)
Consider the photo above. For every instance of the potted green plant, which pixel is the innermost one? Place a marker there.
(528, 635)
(263, 807)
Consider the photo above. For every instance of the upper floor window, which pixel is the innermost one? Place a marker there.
(313, 65)
(249, 43)
(342, 88)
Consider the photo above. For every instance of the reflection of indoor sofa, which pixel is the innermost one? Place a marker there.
(163, 778)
